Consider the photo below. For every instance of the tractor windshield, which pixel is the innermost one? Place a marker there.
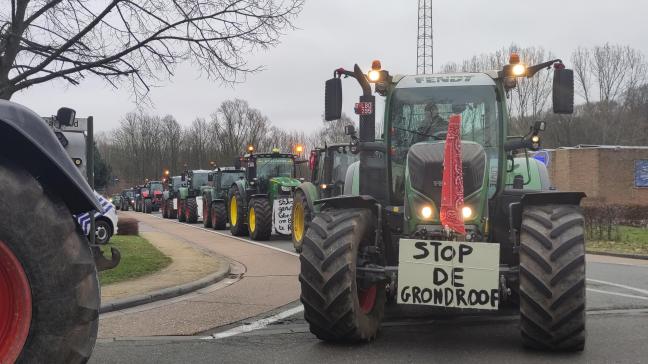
(156, 186)
(341, 161)
(228, 178)
(274, 167)
(421, 115)
(199, 179)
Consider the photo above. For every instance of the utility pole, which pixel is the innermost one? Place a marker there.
(425, 39)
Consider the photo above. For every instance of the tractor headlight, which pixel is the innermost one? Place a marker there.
(323, 186)
(519, 70)
(426, 212)
(467, 212)
(374, 76)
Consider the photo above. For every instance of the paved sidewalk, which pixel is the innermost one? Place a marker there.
(189, 264)
(269, 280)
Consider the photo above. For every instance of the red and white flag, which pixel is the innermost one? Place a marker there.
(452, 191)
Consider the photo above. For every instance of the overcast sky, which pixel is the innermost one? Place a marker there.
(335, 33)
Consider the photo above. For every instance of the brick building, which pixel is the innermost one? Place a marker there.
(607, 174)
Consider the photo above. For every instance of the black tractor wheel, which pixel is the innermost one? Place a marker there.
(302, 216)
(49, 291)
(237, 213)
(219, 215)
(182, 217)
(165, 209)
(207, 220)
(336, 306)
(552, 278)
(148, 206)
(173, 213)
(103, 231)
(260, 219)
(191, 210)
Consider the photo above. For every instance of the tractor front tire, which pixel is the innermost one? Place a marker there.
(191, 210)
(237, 213)
(181, 212)
(207, 220)
(552, 278)
(260, 219)
(336, 308)
(219, 215)
(49, 290)
(302, 216)
(148, 206)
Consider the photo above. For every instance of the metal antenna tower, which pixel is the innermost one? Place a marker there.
(425, 44)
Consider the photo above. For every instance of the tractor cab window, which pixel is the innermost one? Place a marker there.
(341, 162)
(228, 178)
(320, 167)
(199, 179)
(156, 186)
(267, 168)
(422, 114)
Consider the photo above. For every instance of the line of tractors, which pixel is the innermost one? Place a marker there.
(259, 197)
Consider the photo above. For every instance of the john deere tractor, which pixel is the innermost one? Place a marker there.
(170, 197)
(190, 194)
(262, 202)
(328, 168)
(444, 215)
(215, 196)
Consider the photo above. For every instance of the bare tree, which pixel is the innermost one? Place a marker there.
(581, 62)
(134, 41)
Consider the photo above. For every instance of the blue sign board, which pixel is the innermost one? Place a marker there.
(641, 173)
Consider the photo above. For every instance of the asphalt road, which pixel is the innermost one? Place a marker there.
(617, 332)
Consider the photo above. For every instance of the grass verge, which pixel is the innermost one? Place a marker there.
(631, 241)
(138, 258)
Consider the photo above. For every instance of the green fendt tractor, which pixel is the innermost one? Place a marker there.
(262, 201)
(170, 197)
(215, 196)
(128, 199)
(189, 193)
(521, 247)
(328, 168)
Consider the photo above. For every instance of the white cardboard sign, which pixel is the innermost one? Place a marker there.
(448, 274)
(282, 215)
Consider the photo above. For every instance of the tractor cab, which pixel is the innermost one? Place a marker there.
(270, 173)
(329, 167)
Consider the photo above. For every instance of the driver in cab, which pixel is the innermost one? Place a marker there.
(433, 124)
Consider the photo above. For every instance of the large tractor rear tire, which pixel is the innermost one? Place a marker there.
(181, 213)
(552, 278)
(207, 220)
(49, 291)
(260, 219)
(336, 308)
(191, 210)
(237, 213)
(302, 216)
(219, 215)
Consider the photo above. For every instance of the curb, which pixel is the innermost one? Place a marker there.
(166, 293)
(620, 255)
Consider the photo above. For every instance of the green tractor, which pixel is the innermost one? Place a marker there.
(505, 241)
(262, 201)
(215, 196)
(170, 197)
(190, 193)
(328, 168)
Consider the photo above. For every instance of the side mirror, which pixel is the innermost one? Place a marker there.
(563, 91)
(183, 178)
(210, 177)
(65, 116)
(349, 130)
(333, 99)
(539, 126)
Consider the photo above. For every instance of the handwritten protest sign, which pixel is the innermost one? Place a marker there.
(448, 274)
(282, 215)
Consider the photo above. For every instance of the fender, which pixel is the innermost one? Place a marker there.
(31, 143)
(240, 184)
(183, 193)
(361, 201)
(552, 197)
(207, 196)
(310, 191)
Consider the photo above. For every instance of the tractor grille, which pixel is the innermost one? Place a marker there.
(425, 164)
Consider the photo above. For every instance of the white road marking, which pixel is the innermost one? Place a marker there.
(617, 294)
(256, 325)
(619, 285)
(228, 236)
